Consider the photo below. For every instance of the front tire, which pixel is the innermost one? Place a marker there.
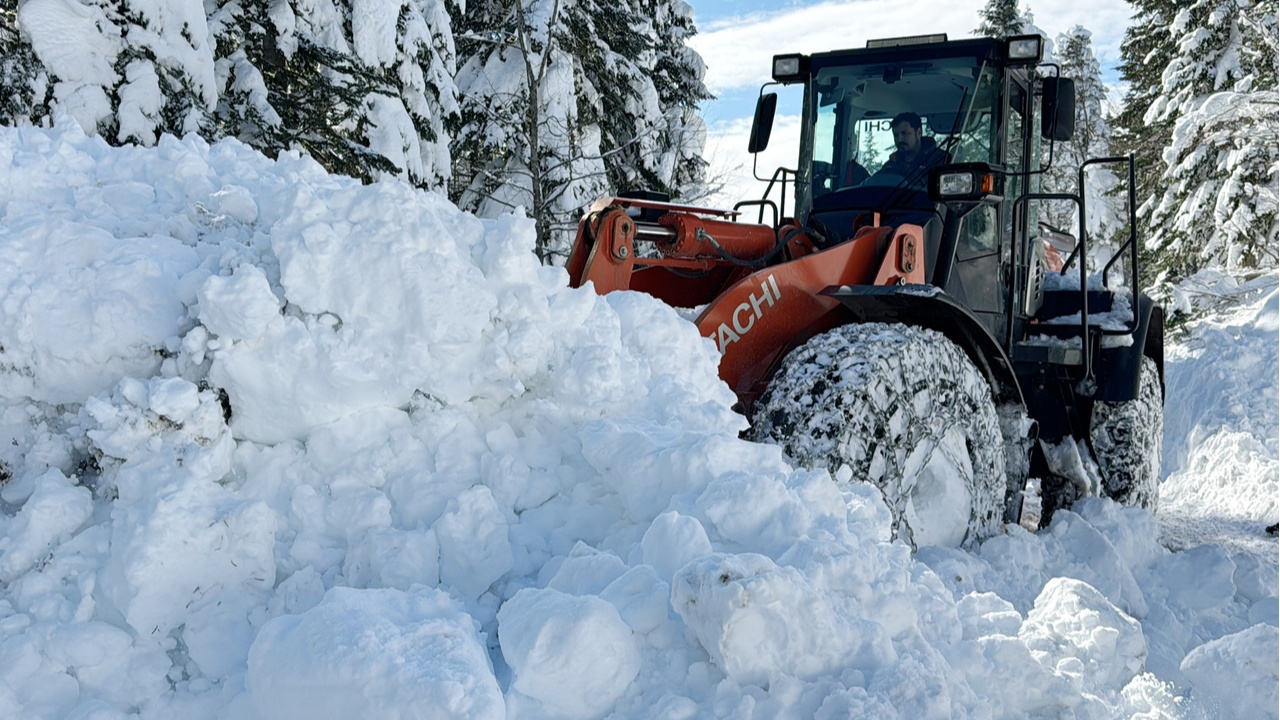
(905, 410)
(1127, 439)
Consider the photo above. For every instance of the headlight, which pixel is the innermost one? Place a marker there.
(951, 184)
(790, 68)
(964, 183)
(1025, 49)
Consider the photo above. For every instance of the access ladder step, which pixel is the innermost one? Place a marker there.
(1050, 351)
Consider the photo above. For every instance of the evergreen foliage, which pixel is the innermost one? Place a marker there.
(165, 71)
(363, 90)
(321, 95)
(567, 100)
(1145, 52)
(122, 69)
(365, 87)
(1000, 18)
(522, 142)
(659, 148)
(677, 75)
(247, 57)
(1106, 209)
(282, 91)
(1214, 204)
(25, 91)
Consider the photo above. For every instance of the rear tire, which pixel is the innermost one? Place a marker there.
(905, 410)
(1127, 439)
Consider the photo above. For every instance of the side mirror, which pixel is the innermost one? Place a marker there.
(762, 124)
(1058, 108)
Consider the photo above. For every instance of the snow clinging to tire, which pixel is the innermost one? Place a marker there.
(904, 409)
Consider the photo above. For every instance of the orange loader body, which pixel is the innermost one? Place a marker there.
(760, 290)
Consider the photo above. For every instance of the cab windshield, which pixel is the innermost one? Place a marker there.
(852, 122)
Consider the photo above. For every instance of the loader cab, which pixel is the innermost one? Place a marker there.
(977, 102)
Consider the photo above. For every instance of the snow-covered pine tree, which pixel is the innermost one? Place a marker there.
(127, 70)
(362, 86)
(1218, 204)
(1107, 213)
(314, 87)
(522, 140)
(1000, 18)
(678, 74)
(248, 60)
(1146, 50)
(610, 48)
(25, 90)
(566, 100)
(653, 136)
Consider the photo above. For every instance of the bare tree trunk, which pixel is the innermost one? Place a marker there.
(533, 121)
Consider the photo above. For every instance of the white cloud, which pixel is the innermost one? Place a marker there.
(727, 152)
(738, 49)
(1106, 19)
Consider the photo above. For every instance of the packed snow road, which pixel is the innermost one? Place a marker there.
(281, 445)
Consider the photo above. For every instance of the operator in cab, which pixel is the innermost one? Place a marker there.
(916, 152)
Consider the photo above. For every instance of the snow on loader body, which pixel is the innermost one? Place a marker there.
(913, 327)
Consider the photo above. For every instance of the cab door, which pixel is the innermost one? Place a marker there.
(977, 278)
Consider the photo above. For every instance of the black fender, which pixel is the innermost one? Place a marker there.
(930, 307)
(1118, 368)
(1154, 346)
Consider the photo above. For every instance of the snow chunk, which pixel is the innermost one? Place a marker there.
(240, 307)
(75, 669)
(782, 509)
(587, 571)
(988, 614)
(235, 202)
(641, 598)
(474, 547)
(173, 399)
(1077, 549)
(1236, 676)
(1085, 636)
(758, 620)
(370, 322)
(374, 654)
(83, 309)
(574, 654)
(53, 512)
(185, 549)
(673, 540)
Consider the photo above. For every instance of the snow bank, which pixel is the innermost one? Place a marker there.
(278, 444)
(1222, 431)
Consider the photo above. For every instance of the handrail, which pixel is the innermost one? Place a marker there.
(1081, 251)
(1132, 243)
(774, 180)
(777, 217)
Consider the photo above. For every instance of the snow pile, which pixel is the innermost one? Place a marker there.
(1222, 449)
(280, 445)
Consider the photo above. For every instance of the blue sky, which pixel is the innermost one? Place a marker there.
(738, 39)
